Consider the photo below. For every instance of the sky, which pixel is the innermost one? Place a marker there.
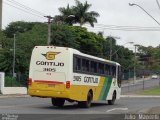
(112, 13)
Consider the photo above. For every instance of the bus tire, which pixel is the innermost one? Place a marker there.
(111, 102)
(59, 102)
(86, 104)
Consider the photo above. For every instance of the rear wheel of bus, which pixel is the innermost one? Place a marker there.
(86, 104)
(59, 102)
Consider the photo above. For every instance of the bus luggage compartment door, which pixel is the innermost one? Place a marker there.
(49, 81)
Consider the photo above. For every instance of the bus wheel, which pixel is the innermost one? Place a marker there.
(59, 102)
(111, 102)
(86, 104)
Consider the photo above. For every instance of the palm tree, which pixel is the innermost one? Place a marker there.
(64, 17)
(77, 14)
(82, 15)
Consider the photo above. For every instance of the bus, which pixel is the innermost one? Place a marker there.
(66, 74)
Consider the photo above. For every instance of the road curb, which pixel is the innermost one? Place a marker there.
(140, 96)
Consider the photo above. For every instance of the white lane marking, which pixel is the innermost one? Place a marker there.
(22, 105)
(117, 109)
(6, 106)
(139, 96)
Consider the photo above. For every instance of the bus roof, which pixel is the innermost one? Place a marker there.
(74, 51)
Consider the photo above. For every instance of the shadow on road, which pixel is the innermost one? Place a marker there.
(74, 106)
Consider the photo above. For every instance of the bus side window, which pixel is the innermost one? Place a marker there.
(114, 71)
(119, 76)
(107, 69)
(101, 68)
(77, 64)
(85, 65)
(93, 67)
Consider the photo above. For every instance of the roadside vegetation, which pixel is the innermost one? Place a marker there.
(63, 33)
(152, 91)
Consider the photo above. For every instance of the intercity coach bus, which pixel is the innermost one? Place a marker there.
(62, 73)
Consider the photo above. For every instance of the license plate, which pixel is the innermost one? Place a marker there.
(51, 85)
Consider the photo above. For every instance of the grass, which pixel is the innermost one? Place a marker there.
(152, 91)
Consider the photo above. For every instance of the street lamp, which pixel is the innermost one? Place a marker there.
(121, 47)
(71, 19)
(133, 4)
(158, 3)
(72, 16)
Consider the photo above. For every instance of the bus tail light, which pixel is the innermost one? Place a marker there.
(68, 85)
(29, 81)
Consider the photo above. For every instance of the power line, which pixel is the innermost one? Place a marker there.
(98, 26)
(23, 10)
(26, 7)
(124, 28)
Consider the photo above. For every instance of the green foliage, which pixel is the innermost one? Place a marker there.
(3, 39)
(78, 38)
(62, 35)
(82, 15)
(151, 57)
(18, 27)
(6, 57)
(77, 14)
(152, 91)
(11, 82)
(24, 44)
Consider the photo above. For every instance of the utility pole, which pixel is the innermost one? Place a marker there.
(14, 54)
(49, 29)
(110, 48)
(0, 14)
(111, 45)
(134, 65)
(134, 79)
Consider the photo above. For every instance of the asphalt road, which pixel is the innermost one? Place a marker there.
(140, 85)
(31, 108)
(42, 108)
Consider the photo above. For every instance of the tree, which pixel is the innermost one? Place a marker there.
(82, 15)
(25, 42)
(18, 27)
(77, 14)
(149, 57)
(6, 58)
(78, 38)
(5, 53)
(62, 35)
(65, 16)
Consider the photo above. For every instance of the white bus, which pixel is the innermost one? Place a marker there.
(62, 73)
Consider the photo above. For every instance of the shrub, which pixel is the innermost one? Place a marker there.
(11, 82)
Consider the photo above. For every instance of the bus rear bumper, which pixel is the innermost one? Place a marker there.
(48, 93)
